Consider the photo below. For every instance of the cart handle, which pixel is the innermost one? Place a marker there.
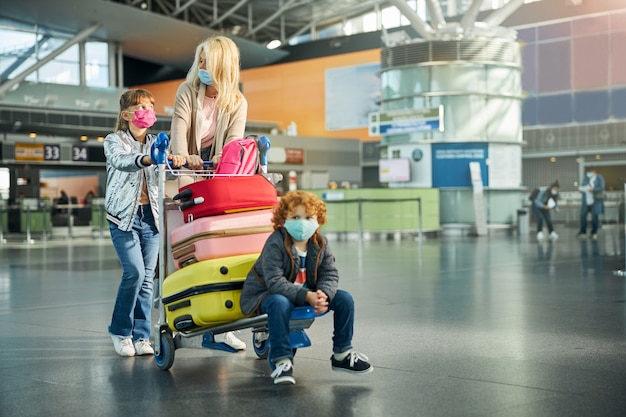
(158, 149)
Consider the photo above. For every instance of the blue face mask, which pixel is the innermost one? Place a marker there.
(301, 230)
(589, 174)
(554, 192)
(205, 77)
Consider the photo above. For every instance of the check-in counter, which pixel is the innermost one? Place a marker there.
(99, 222)
(35, 216)
(410, 210)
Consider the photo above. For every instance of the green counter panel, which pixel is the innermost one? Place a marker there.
(384, 214)
(40, 221)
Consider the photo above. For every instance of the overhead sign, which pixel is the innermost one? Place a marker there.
(79, 153)
(37, 152)
(406, 121)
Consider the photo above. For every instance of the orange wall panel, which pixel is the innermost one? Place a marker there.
(164, 94)
(285, 92)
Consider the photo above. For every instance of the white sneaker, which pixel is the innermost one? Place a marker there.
(553, 235)
(540, 236)
(123, 345)
(142, 347)
(231, 340)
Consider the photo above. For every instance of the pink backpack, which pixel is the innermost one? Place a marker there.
(239, 156)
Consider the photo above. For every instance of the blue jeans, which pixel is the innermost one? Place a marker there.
(541, 215)
(138, 252)
(595, 220)
(278, 309)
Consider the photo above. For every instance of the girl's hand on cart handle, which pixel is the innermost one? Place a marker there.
(177, 160)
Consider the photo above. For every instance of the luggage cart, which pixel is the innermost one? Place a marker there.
(165, 340)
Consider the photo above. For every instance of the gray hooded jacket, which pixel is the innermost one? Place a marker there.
(277, 267)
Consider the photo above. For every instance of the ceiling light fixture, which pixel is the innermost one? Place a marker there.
(83, 138)
(32, 135)
(273, 44)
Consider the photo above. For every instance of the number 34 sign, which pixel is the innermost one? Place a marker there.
(79, 153)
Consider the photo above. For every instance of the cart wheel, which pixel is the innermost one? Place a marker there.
(165, 359)
(259, 341)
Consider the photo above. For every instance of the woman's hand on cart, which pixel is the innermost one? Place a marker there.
(194, 162)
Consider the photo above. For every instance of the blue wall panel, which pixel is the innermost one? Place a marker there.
(450, 163)
(591, 106)
(529, 111)
(618, 103)
(554, 109)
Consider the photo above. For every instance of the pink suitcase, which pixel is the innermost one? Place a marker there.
(220, 236)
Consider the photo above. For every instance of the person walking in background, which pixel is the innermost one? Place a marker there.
(209, 112)
(132, 209)
(544, 201)
(592, 190)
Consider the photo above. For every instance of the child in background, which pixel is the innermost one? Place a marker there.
(296, 268)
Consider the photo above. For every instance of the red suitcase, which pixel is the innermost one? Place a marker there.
(220, 195)
(220, 236)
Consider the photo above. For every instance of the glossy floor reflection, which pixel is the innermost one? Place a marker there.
(455, 326)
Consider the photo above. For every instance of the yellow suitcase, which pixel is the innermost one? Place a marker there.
(206, 293)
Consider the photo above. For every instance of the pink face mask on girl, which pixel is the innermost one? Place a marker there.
(144, 118)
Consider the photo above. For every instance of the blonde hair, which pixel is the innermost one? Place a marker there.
(128, 99)
(222, 62)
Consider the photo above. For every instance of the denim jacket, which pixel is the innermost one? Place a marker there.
(276, 269)
(125, 177)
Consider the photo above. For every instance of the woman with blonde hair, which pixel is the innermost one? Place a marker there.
(210, 110)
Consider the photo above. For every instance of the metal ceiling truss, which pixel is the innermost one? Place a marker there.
(258, 20)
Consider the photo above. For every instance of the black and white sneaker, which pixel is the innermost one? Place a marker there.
(283, 374)
(355, 363)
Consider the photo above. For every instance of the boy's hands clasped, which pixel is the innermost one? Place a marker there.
(318, 300)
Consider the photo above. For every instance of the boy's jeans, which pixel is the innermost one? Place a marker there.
(138, 251)
(278, 309)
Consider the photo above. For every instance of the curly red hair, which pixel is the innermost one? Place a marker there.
(313, 205)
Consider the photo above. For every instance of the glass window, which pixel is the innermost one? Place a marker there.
(22, 46)
(59, 72)
(96, 64)
(5, 183)
(370, 22)
(14, 46)
(391, 17)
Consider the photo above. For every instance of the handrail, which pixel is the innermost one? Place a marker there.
(97, 224)
(360, 202)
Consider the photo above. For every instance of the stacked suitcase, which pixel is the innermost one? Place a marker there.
(226, 223)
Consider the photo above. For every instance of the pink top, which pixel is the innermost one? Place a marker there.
(208, 122)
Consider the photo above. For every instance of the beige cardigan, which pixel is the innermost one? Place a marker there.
(185, 132)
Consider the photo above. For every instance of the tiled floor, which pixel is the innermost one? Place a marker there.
(455, 326)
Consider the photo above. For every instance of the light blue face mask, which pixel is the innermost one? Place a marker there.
(205, 77)
(301, 230)
(589, 174)
(554, 192)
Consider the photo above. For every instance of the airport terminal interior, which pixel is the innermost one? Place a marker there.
(459, 307)
(454, 326)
